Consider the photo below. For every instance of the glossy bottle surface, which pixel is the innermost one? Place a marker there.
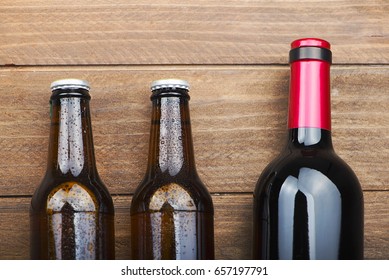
(172, 211)
(308, 203)
(72, 213)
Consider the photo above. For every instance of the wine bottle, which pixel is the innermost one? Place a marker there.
(308, 203)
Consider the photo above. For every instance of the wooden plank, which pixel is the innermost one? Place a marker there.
(82, 32)
(238, 118)
(233, 226)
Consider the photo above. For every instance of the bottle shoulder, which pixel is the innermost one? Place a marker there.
(315, 158)
(308, 167)
(188, 194)
(83, 194)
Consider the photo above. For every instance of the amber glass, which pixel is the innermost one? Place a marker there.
(172, 211)
(72, 214)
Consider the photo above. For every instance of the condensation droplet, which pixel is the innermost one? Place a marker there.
(70, 147)
(171, 151)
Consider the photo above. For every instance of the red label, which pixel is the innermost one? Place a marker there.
(309, 100)
(310, 42)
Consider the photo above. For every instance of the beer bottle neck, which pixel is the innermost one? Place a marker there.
(71, 151)
(171, 146)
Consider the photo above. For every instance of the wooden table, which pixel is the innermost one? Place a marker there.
(235, 56)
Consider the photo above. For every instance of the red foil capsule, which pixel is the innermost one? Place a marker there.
(309, 99)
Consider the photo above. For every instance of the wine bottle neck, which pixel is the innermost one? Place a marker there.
(171, 147)
(71, 151)
(309, 120)
(316, 138)
(309, 99)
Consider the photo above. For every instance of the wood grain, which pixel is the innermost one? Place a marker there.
(97, 32)
(238, 118)
(233, 226)
(234, 54)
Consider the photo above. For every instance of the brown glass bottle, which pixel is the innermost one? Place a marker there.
(72, 213)
(171, 211)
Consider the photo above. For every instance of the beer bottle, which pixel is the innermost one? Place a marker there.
(72, 213)
(171, 211)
